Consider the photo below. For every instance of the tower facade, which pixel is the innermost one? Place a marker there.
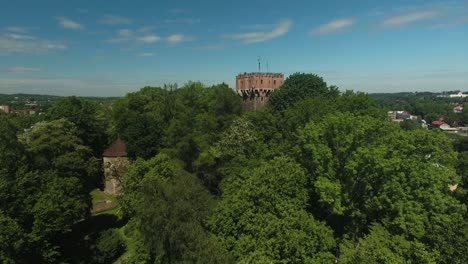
(115, 164)
(256, 87)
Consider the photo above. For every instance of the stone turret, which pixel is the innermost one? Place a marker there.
(115, 164)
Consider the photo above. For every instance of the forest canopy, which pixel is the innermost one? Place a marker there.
(317, 176)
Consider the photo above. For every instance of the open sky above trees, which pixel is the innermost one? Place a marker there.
(108, 48)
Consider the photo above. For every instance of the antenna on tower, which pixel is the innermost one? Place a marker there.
(259, 63)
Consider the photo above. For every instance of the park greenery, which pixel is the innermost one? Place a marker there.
(317, 176)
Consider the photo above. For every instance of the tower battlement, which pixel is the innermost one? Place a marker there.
(256, 87)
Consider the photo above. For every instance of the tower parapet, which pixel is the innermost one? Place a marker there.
(256, 87)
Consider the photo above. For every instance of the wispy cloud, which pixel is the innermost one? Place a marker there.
(127, 35)
(146, 37)
(178, 38)
(16, 29)
(68, 23)
(182, 20)
(146, 54)
(149, 39)
(123, 35)
(20, 43)
(408, 18)
(114, 20)
(334, 26)
(23, 69)
(19, 36)
(253, 37)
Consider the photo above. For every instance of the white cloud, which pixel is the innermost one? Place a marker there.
(334, 26)
(146, 54)
(19, 36)
(16, 43)
(401, 20)
(114, 20)
(68, 23)
(123, 35)
(178, 38)
(127, 35)
(253, 37)
(22, 69)
(149, 39)
(16, 29)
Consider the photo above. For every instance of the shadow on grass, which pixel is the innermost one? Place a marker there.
(78, 245)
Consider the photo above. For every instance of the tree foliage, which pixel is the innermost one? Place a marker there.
(299, 86)
(83, 114)
(264, 217)
(171, 207)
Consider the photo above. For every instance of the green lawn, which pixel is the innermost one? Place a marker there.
(104, 203)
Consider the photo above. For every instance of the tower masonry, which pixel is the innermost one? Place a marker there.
(256, 87)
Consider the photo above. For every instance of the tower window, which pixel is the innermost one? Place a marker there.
(274, 82)
(261, 81)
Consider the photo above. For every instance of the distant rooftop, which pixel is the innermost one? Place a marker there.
(117, 149)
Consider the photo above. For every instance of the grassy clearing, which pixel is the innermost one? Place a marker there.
(104, 203)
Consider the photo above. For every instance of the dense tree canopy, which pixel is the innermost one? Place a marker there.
(48, 192)
(299, 86)
(171, 207)
(317, 176)
(83, 113)
(263, 217)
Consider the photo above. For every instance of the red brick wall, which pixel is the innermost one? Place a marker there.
(256, 87)
(259, 81)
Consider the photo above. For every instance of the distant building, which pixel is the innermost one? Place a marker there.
(256, 87)
(458, 95)
(458, 109)
(115, 164)
(5, 108)
(438, 124)
(399, 116)
(23, 111)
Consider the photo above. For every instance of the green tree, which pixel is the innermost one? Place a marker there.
(55, 145)
(109, 246)
(297, 87)
(82, 113)
(11, 239)
(48, 190)
(170, 206)
(365, 170)
(380, 246)
(262, 216)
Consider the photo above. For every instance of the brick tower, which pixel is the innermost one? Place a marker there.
(256, 87)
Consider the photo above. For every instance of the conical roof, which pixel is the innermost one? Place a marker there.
(117, 149)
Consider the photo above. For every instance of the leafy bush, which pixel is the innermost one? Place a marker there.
(109, 246)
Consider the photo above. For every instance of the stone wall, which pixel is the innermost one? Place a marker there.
(115, 169)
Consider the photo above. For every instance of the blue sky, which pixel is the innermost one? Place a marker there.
(100, 47)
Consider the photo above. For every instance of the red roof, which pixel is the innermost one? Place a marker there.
(438, 123)
(117, 149)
